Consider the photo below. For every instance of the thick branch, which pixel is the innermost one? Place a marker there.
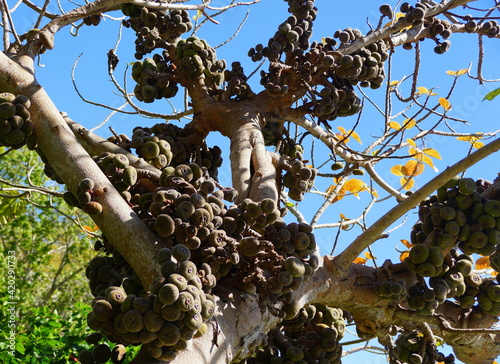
(95, 145)
(399, 25)
(125, 231)
(344, 259)
(242, 321)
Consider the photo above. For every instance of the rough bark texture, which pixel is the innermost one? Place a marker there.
(242, 319)
(72, 163)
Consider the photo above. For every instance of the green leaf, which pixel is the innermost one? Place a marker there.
(20, 347)
(492, 94)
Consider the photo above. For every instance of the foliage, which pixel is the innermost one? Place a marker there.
(49, 251)
(48, 337)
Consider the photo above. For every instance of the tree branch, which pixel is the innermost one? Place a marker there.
(344, 259)
(124, 229)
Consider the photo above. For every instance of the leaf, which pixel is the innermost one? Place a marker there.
(289, 204)
(427, 160)
(478, 145)
(409, 123)
(414, 153)
(407, 183)
(198, 15)
(457, 73)
(483, 263)
(414, 168)
(492, 94)
(339, 196)
(342, 130)
(359, 260)
(393, 83)
(369, 256)
(473, 139)
(425, 91)
(406, 243)
(355, 136)
(422, 90)
(432, 153)
(355, 186)
(398, 170)
(404, 255)
(342, 217)
(411, 142)
(396, 17)
(394, 125)
(470, 138)
(444, 103)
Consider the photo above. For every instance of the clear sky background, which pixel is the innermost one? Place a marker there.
(93, 43)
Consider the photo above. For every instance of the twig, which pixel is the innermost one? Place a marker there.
(39, 189)
(345, 223)
(41, 14)
(236, 32)
(73, 80)
(329, 199)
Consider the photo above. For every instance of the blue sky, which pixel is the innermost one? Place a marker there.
(93, 82)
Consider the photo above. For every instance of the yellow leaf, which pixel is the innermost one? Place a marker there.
(342, 130)
(457, 73)
(342, 217)
(409, 123)
(468, 138)
(425, 91)
(396, 17)
(330, 189)
(407, 183)
(412, 142)
(432, 153)
(406, 243)
(198, 15)
(393, 83)
(368, 256)
(360, 260)
(414, 153)
(398, 170)
(422, 90)
(339, 196)
(342, 137)
(404, 255)
(413, 168)
(355, 136)
(473, 139)
(394, 125)
(483, 263)
(478, 145)
(427, 160)
(354, 185)
(444, 103)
